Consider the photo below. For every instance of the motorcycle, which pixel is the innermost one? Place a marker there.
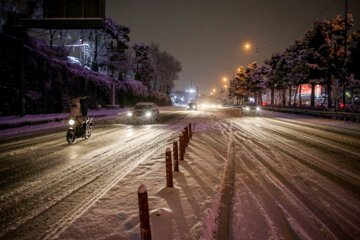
(79, 129)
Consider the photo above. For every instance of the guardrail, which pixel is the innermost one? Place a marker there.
(355, 117)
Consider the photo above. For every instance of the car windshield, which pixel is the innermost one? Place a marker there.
(138, 107)
(249, 104)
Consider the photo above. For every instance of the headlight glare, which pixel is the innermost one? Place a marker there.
(148, 114)
(257, 108)
(129, 114)
(247, 108)
(71, 122)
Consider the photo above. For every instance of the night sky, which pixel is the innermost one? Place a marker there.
(207, 36)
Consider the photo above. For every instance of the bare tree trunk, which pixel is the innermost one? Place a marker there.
(290, 95)
(295, 96)
(284, 97)
(94, 65)
(272, 95)
(300, 98)
(312, 94)
(329, 93)
(52, 34)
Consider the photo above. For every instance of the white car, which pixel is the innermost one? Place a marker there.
(145, 111)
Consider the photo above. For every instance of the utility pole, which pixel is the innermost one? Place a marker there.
(345, 52)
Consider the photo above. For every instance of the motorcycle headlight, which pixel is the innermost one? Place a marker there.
(247, 108)
(148, 114)
(129, 114)
(257, 108)
(71, 122)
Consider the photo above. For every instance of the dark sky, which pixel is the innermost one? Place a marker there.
(207, 36)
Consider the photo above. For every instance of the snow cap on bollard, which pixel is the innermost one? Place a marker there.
(142, 189)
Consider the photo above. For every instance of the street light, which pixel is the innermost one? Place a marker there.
(247, 46)
(225, 86)
(214, 90)
(224, 79)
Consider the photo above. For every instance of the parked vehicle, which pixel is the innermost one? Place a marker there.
(250, 109)
(144, 111)
(191, 106)
(79, 127)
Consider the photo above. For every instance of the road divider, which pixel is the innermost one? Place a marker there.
(355, 117)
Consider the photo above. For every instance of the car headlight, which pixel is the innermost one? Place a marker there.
(187, 107)
(71, 122)
(193, 107)
(247, 108)
(257, 108)
(148, 114)
(129, 114)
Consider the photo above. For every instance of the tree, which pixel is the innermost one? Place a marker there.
(166, 69)
(354, 56)
(144, 71)
(112, 53)
(237, 87)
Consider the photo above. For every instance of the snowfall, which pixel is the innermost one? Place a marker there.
(274, 176)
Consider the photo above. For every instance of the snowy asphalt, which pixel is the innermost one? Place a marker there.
(46, 184)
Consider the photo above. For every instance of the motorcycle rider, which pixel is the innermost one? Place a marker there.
(79, 109)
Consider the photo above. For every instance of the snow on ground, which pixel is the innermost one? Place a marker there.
(176, 213)
(291, 189)
(276, 176)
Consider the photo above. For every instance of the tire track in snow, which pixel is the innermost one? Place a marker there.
(324, 218)
(108, 169)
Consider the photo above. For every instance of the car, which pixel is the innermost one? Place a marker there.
(191, 106)
(250, 109)
(145, 111)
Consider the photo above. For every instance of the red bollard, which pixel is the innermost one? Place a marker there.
(181, 147)
(186, 136)
(176, 159)
(184, 140)
(169, 176)
(190, 131)
(145, 231)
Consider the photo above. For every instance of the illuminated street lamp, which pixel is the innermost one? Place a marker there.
(225, 86)
(247, 46)
(214, 90)
(224, 79)
(211, 93)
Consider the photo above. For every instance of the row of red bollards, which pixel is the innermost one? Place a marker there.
(178, 152)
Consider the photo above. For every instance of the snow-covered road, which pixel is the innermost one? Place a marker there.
(293, 178)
